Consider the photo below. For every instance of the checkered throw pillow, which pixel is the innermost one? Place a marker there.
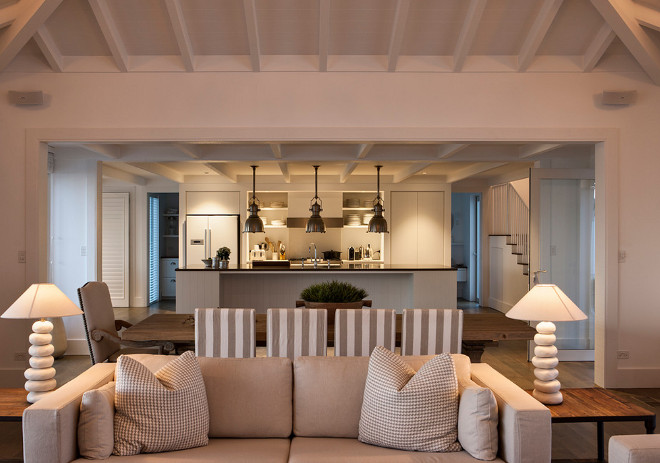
(405, 410)
(162, 412)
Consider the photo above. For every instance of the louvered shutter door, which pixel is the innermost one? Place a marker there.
(115, 247)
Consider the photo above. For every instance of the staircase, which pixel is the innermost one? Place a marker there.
(509, 216)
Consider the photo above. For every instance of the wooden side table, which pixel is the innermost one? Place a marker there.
(12, 403)
(589, 405)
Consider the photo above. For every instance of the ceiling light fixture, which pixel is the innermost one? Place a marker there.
(254, 224)
(315, 222)
(378, 224)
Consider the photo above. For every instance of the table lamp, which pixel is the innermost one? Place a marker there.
(546, 304)
(40, 301)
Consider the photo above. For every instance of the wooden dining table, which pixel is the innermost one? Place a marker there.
(479, 331)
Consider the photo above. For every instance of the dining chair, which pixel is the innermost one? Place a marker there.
(296, 332)
(357, 332)
(431, 331)
(226, 333)
(101, 328)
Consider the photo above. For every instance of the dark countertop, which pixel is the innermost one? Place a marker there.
(323, 268)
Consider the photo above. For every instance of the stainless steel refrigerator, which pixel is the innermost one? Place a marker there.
(205, 234)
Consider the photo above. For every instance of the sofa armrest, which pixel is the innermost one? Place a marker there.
(50, 426)
(525, 431)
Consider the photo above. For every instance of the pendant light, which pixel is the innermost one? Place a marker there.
(254, 224)
(315, 222)
(378, 224)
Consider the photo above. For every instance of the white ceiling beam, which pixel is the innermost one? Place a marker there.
(111, 151)
(324, 34)
(597, 48)
(221, 170)
(30, 18)
(348, 170)
(398, 31)
(408, 172)
(537, 33)
(122, 175)
(110, 33)
(181, 33)
(276, 148)
(364, 149)
(528, 151)
(252, 33)
(192, 151)
(447, 151)
(647, 16)
(49, 49)
(161, 170)
(285, 171)
(468, 32)
(8, 14)
(472, 170)
(620, 18)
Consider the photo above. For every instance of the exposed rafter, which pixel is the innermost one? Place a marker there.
(324, 34)
(348, 170)
(447, 151)
(618, 16)
(398, 31)
(160, 169)
(647, 16)
(277, 150)
(30, 18)
(110, 33)
(111, 151)
(468, 31)
(122, 175)
(537, 33)
(597, 48)
(285, 171)
(528, 151)
(474, 169)
(49, 49)
(192, 151)
(181, 33)
(252, 33)
(8, 14)
(220, 169)
(364, 149)
(408, 172)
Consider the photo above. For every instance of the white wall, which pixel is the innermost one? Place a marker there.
(385, 105)
(507, 282)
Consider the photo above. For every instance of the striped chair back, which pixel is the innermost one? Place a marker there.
(297, 332)
(227, 333)
(357, 332)
(431, 331)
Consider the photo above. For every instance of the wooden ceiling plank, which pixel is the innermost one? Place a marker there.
(597, 48)
(111, 151)
(472, 170)
(647, 16)
(324, 34)
(110, 33)
(447, 151)
(619, 16)
(468, 32)
(252, 33)
(122, 175)
(277, 150)
(181, 33)
(161, 170)
(31, 16)
(192, 151)
(219, 169)
(284, 167)
(364, 149)
(398, 32)
(8, 14)
(528, 151)
(408, 172)
(537, 33)
(49, 49)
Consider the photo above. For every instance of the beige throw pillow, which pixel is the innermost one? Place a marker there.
(405, 410)
(477, 422)
(95, 422)
(162, 412)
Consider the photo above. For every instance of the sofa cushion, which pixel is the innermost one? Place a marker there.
(162, 412)
(96, 422)
(332, 450)
(248, 397)
(218, 451)
(409, 410)
(328, 392)
(477, 422)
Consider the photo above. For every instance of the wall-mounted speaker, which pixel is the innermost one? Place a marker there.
(26, 98)
(619, 98)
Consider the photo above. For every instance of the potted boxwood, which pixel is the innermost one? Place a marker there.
(222, 256)
(333, 295)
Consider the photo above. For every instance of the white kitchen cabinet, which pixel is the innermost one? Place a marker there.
(168, 277)
(167, 287)
(212, 202)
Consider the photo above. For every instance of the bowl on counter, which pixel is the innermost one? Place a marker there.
(207, 262)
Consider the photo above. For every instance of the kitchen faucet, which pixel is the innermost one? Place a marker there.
(310, 251)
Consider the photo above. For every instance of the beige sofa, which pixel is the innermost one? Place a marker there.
(273, 410)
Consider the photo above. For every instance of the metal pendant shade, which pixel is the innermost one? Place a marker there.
(254, 224)
(315, 222)
(378, 224)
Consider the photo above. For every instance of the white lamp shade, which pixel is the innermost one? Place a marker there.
(42, 300)
(546, 303)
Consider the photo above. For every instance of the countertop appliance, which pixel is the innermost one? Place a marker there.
(205, 234)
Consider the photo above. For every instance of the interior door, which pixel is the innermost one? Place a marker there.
(115, 266)
(562, 242)
(225, 231)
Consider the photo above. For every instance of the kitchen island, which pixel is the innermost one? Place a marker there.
(389, 286)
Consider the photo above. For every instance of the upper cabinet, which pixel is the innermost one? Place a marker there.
(213, 202)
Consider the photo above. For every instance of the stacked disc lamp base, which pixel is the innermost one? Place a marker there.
(546, 384)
